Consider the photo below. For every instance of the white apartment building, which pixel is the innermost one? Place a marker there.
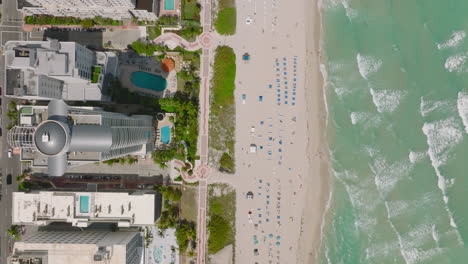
(84, 208)
(115, 9)
(58, 137)
(78, 247)
(44, 70)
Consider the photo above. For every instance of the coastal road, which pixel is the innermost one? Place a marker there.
(11, 29)
(12, 23)
(7, 166)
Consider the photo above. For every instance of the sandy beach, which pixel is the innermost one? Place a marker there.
(280, 110)
(317, 184)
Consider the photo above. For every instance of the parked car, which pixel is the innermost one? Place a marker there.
(243, 98)
(255, 251)
(9, 179)
(10, 153)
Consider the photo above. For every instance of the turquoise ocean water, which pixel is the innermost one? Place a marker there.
(397, 95)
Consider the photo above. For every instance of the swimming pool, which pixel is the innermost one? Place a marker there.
(165, 134)
(148, 81)
(84, 204)
(169, 4)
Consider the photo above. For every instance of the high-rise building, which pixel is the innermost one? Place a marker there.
(115, 9)
(78, 247)
(44, 70)
(61, 136)
(81, 209)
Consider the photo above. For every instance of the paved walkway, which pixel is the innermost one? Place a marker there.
(201, 171)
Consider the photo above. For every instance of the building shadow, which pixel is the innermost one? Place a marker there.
(90, 39)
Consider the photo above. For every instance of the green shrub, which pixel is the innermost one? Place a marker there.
(87, 23)
(185, 233)
(178, 178)
(226, 163)
(220, 230)
(168, 20)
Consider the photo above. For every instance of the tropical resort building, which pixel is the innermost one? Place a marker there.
(44, 70)
(148, 76)
(58, 137)
(84, 208)
(115, 9)
(78, 247)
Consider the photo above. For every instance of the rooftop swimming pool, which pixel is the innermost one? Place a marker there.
(165, 134)
(84, 204)
(148, 81)
(169, 4)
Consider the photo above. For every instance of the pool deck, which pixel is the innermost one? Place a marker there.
(164, 244)
(144, 64)
(164, 12)
(161, 124)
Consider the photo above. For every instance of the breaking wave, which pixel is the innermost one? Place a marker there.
(367, 65)
(455, 39)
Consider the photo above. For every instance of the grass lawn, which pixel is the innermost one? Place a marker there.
(226, 3)
(190, 10)
(224, 76)
(189, 203)
(222, 111)
(222, 211)
(226, 22)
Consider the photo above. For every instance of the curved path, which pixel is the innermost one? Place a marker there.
(173, 40)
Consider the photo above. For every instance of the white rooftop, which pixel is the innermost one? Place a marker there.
(83, 208)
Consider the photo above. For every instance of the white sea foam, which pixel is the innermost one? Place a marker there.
(350, 12)
(427, 106)
(435, 235)
(380, 250)
(367, 65)
(414, 157)
(358, 117)
(396, 208)
(386, 100)
(462, 107)
(442, 136)
(386, 176)
(365, 119)
(412, 242)
(455, 63)
(454, 40)
(363, 200)
(323, 71)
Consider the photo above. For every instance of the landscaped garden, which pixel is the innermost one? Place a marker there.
(189, 22)
(186, 232)
(222, 111)
(226, 18)
(221, 215)
(85, 22)
(191, 10)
